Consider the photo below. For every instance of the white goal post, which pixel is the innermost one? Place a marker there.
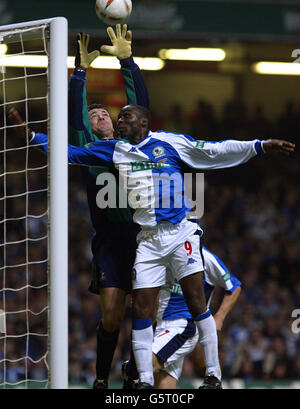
(57, 73)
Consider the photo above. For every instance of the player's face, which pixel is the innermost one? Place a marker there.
(129, 124)
(101, 123)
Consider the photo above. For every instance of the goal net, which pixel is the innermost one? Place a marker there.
(33, 207)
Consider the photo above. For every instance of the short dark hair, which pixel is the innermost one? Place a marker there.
(144, 112)
(95, 105)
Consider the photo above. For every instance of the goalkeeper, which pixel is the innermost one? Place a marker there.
(112, 261)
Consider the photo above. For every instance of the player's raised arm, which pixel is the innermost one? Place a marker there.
(217, 155)
(80, 131)
(135, 87)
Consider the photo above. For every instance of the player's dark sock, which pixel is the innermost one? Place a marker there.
(131, 369)
(106, 345)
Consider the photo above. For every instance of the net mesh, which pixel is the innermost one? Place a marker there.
(24, 216)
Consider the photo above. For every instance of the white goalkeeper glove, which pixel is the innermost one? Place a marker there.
(121, 43)
(83, 59)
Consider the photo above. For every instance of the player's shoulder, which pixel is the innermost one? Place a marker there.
(176, 140)
(102, 143)
(161, 134)
(213, 262)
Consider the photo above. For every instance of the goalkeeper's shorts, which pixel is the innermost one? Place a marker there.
(113, 259)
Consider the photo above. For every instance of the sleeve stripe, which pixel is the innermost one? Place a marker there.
(258, 148)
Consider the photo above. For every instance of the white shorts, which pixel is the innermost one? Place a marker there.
(173, 340)
(172, 246)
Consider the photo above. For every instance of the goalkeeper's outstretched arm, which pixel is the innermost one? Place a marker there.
(135, 87)
(80, 132)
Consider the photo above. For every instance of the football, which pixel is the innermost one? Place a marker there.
(113, 12)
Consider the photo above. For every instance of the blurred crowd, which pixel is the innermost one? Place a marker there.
(251, 221)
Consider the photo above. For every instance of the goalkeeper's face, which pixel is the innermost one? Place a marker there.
(101, 123)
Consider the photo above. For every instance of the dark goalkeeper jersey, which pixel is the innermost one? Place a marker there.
(80, 133)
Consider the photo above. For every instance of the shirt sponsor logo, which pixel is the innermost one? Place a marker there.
(147, 165)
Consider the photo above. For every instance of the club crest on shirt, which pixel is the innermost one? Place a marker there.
(158, 152)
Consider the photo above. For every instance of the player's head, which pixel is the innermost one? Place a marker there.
(134, 122)
(100, 121)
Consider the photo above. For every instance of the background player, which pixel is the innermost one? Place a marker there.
(165, 229)
(176, 334)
